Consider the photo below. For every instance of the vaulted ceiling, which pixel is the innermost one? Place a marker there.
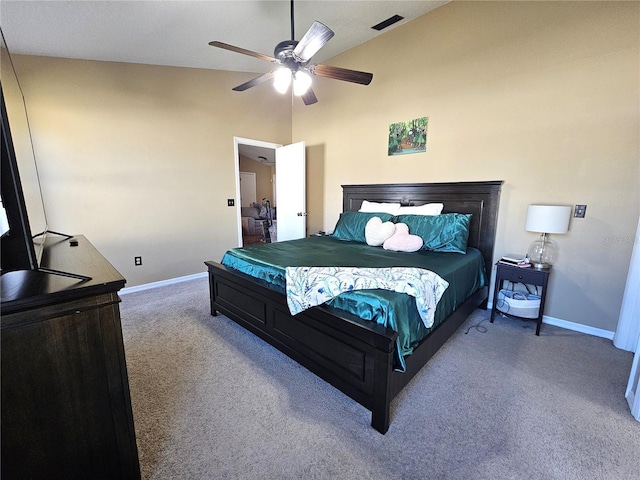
(177, 33)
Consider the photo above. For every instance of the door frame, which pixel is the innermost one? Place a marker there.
(245, 141)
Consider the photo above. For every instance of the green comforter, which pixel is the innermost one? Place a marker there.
(464, 272)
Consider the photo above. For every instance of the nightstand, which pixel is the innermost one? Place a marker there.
(527, 276)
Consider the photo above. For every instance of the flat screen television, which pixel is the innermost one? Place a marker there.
(23, 218)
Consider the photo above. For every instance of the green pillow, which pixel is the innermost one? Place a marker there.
(448, 232)
(351, 225)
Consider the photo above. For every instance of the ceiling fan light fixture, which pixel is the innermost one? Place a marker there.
(282, 80)
(293, 57)
(301, 83)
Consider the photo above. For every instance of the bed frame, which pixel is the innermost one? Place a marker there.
(354, 355)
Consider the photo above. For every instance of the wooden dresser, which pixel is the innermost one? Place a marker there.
(66, 410)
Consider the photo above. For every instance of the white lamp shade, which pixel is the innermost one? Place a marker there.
(548, 218)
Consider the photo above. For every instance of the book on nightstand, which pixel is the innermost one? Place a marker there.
(515, 259)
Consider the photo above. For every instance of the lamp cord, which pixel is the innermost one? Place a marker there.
(478, 327)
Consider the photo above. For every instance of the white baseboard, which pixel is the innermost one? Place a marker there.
(162, 283)
(576, 327)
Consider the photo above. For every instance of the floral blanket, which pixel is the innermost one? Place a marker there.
(310, 286)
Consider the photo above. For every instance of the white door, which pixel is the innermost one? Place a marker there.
(247, 188)
(290, 190)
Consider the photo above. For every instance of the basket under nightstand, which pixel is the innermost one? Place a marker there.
(526, 276)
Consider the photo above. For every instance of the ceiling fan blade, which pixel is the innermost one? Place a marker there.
(312, 41)
(337, 73)
(253, 82)
(233, 48)
(309, 98)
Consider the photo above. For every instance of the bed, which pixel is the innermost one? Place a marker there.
(355, 355)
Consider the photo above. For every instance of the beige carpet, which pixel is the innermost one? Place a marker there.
(210, 400)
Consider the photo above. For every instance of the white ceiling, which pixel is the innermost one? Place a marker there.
(177, 33)
(266, 156)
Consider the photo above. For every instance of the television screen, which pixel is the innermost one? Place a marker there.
(4, 221)
(16, 113)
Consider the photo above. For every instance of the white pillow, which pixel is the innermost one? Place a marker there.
(426, 209)
(376, 232)
(374, 207)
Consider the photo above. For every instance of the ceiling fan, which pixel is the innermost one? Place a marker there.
(293, 58)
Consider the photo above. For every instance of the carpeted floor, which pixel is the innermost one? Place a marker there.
(210, 401)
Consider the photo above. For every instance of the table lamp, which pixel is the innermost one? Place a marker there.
(546, 219)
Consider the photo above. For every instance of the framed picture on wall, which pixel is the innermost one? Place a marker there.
(408, 137)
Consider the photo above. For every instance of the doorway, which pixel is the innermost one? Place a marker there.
(263, 155)
(289, 191)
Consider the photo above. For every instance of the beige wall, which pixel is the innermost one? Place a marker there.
(542, 95)
(140, 159)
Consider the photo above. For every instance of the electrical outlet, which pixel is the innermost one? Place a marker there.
(230, 202)
(580, 211)
(137, 261)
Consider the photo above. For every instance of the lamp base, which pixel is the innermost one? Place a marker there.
(540, 266)
(542, 253)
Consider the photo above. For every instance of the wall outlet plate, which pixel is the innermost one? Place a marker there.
(231, 202)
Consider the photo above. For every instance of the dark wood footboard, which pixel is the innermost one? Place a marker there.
(353, 355)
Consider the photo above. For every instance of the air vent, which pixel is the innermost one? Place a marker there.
(388, 22)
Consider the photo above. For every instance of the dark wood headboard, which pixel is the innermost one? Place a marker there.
(481, 199)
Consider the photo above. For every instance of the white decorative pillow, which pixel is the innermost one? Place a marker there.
(391, 208)
(426, 209)
(376, 231)
(402, 241)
